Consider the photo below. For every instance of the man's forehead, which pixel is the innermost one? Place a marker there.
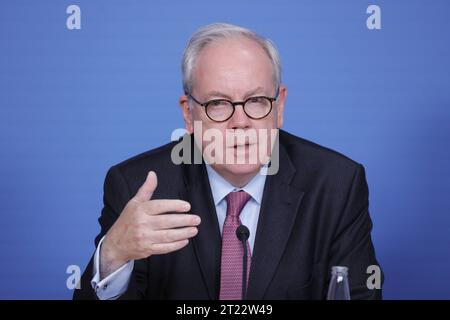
(229, 96)
(233, 68)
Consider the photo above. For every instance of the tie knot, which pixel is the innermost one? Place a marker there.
(236, 201)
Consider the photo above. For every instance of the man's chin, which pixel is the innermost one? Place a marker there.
(239, 170)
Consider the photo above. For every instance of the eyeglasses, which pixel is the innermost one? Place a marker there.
(220, 110)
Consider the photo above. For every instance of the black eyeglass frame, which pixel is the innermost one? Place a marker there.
(236, 103)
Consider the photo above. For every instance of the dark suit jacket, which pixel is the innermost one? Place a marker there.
(314, 215)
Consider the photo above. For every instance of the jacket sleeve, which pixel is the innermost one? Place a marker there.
(352, 245)
(116, 194)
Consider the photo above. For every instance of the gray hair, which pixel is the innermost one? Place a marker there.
(219, 31)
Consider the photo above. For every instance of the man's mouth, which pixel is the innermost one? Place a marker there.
(243, 145)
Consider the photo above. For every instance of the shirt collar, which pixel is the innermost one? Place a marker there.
(220, 187)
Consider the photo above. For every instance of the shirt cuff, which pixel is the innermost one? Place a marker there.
(114, 285)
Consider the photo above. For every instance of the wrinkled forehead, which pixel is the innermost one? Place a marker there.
(233, 66)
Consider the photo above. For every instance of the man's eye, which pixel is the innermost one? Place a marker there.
(256, 100)
(218, 103)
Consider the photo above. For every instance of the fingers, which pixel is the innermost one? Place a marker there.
(173, 235)
(155, 207)
(165, 241)
(162, 248)
(145, 192)
(170, 221)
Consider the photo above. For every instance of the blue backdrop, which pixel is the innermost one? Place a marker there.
(75, 102)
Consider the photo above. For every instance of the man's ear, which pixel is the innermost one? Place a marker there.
(282, 95)
(187, 116)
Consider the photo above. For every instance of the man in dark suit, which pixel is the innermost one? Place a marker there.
(168, 229)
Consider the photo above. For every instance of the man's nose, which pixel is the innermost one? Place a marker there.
(239, 118)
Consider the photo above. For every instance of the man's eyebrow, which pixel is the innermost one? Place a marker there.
(218, 94)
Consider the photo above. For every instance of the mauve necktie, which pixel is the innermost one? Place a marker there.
(232, 251)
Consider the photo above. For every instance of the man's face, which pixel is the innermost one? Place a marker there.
(234, 69)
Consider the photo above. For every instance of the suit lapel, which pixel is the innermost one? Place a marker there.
(207, 243)
(278, 212)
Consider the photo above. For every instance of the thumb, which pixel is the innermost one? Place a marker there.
(145, 192)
